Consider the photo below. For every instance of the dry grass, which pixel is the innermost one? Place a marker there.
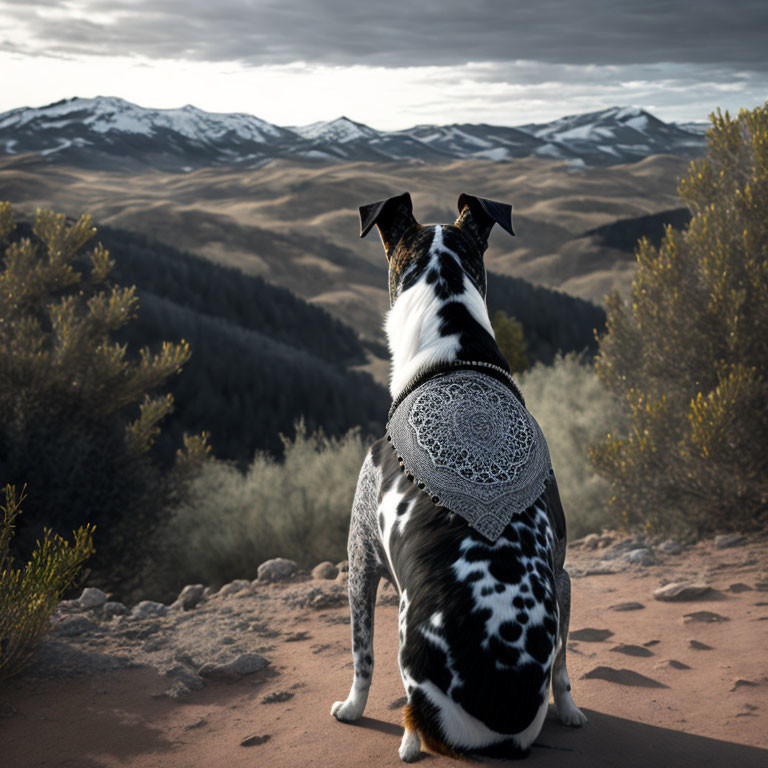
(574, 410)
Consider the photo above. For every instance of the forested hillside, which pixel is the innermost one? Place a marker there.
(261, 357)
(552, 321)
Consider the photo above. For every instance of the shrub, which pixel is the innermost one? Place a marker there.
(509, 337)
(78, 416)
(574, 409)
(29, 595)
(232, 521)
(688, 354)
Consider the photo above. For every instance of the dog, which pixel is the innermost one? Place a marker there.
(484, 601)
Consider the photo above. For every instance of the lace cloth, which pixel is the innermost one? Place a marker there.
(473, 447)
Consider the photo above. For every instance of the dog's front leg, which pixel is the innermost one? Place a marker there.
(364, 576)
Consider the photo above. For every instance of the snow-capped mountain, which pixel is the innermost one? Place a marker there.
(614, 135)
(111, 132)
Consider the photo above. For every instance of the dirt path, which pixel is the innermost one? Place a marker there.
(651, 696)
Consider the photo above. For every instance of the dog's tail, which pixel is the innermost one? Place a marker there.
(417, 716)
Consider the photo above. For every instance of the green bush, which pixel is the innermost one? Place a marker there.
(78, 415)
(29, 595)
(574, 409)
(509, 337)
(687, 355)
(231, 521)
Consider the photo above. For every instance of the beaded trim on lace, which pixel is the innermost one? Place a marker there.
(472, 446)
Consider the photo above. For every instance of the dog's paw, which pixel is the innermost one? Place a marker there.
(410, 747)
(571, 715)
(346, 711)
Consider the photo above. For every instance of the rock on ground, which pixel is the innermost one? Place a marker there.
(326, 570)
(190, 596)
(92, 598)
(277, 569)
(726, 540)
(679, 592)
(148, 609)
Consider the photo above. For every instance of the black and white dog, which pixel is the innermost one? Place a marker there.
(483, 624)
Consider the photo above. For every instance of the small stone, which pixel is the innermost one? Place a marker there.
(727, 540)
(673, 663)
(112, 609)
(670, 547)
(148, 609)
(326, 570)
(92, 598)
(622, 677)
(739, 587)
(238, 585)
(398, 703)
(627, 606)
(70, 606)
(70, 626)
(698, 646)
(255, 740)
(186, 676)
(642, 556)
(207, 592)
(591, 635)
(632, 650)
(190, 596)
(343, 566)
(590, 541)
(706, 617)
(248, 663)
(277, 569)
(651, 643)
(741, 683)
(277, 698)
(679, 592)
(245, 664)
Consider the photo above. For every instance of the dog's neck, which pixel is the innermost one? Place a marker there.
(440, 317)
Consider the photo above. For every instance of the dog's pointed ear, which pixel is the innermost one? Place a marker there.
(478, 215)
(392, 217)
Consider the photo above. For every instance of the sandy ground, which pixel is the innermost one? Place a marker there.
(659, 702)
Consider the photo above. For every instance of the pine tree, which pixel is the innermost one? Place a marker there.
(78, 414)
(509, 337)
(688, 354)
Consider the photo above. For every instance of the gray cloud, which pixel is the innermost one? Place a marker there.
(404, 33)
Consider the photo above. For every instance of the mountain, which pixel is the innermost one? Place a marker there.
(112, 133)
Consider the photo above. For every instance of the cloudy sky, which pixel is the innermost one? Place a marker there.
(390, 64)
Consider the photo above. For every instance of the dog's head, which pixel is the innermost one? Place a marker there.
(408, 244)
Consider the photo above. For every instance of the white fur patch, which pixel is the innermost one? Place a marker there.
(413, 324)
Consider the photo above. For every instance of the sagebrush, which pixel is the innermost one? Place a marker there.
(232, 521)
(687, 355)
(29, 594)
(574, 409)
(300, 507)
